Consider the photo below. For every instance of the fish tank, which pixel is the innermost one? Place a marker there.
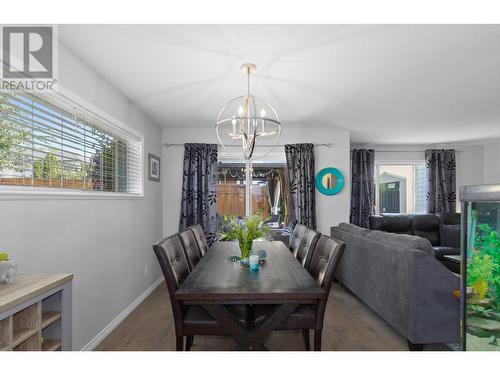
(480, 268)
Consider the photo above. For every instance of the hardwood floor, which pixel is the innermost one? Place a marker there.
(349, 325)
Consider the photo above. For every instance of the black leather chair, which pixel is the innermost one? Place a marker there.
(297, 233)
(305, 248)
(193, 254)
(324, 261)
(189, 320)
(200, 238)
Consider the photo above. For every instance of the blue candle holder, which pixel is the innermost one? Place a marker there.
(254, 262)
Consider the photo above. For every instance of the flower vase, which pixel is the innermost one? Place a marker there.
(246, 249)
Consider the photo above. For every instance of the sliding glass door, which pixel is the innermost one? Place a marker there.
(247, 188)
(400, 187)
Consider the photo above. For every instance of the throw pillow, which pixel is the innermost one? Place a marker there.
(450, 235)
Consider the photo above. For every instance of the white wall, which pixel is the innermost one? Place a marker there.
(330, 210)
(469, 159)
(491, 162)
(105, 243)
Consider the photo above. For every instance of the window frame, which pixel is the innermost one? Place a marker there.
(67, 100)
(379, 163)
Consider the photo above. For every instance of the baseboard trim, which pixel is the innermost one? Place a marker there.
(92, 344)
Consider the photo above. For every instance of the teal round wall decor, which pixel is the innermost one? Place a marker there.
(329, 181)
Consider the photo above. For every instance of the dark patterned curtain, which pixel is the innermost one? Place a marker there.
(363, 186)
(300, 167)
(441, 193)
(199, 189)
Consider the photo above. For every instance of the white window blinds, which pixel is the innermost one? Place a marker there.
(43, 145)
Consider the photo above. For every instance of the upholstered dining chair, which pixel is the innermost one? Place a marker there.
(297, 233)
(324, 261)
(305, 248)
(200, 238)
(191, 249)
(188, 320)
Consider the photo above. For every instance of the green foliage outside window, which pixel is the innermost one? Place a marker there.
(105, 170)
(13, 138)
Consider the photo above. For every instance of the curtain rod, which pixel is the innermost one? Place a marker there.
(329, 145)
(405, 151)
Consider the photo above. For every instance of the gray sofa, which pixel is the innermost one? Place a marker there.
(399, 278)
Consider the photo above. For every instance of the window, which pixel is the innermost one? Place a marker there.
(49, 145)
(401, 187)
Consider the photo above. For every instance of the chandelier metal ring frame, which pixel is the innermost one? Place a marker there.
(248, 122)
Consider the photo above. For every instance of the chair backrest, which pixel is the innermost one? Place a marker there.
(306, 246)
(200, 238)
(193, 254)
(174, 265)
(324, 260)
(297, 233)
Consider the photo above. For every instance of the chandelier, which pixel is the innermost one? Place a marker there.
(246, 119)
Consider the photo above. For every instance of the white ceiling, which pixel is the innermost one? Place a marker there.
(387, 84)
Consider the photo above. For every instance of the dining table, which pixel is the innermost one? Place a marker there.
(218, 281)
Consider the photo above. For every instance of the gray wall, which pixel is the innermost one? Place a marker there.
(491, 165)
(105, 243)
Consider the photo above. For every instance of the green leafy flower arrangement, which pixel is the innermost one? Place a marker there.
(245, 231)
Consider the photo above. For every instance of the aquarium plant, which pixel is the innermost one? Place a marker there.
(483, 269)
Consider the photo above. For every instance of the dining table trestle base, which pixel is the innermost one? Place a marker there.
(250, 337)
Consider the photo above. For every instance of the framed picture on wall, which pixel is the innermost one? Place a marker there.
(153, 168)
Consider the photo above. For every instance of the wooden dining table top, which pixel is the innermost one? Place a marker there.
(282, 279)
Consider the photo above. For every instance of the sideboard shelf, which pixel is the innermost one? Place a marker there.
(50, 317)
(51, 345)
(36, 313)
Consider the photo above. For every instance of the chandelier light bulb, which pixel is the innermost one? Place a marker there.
(234, 135)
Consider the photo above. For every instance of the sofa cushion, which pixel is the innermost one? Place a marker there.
(376, 222)
(354, 229)
(425, 222)
(426, 226)
(396, 223)
(440, 251)
(402, 241)
(450, 218)
(450, 235)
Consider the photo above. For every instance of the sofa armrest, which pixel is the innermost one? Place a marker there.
(434, 311)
